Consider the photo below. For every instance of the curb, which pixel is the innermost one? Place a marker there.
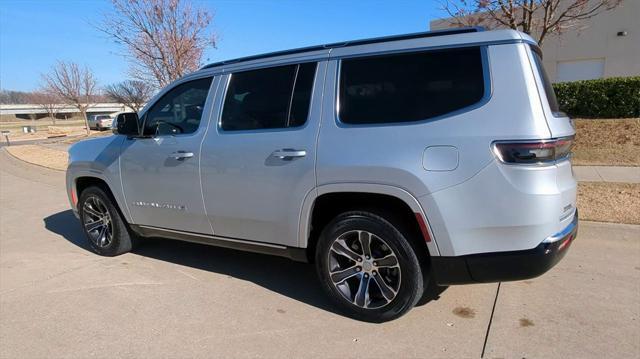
(30, 163)
(608, 174)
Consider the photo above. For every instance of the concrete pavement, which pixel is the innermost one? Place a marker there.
(172, 299)
(607, 174)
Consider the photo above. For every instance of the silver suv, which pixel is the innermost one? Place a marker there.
(387, 162)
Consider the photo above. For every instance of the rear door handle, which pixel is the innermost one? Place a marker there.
(288, 153)
(181, 155)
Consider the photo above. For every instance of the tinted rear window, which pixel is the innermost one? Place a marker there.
(276, 97)
(546, 83)
(409, 87)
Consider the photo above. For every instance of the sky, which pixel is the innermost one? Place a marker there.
(34, 34)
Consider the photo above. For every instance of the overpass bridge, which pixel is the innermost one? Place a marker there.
(25, 110)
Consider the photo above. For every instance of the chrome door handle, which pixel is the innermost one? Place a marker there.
(288, 153)
(181, 155)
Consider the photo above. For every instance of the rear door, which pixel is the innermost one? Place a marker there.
(258, 162)
(160, 173)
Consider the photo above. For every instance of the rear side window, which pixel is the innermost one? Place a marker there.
(546, 83)
(275, 97)
(409, 87)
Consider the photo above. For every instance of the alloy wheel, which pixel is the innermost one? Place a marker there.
(97, 221)
(364, 269)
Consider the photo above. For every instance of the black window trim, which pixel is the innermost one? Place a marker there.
(486, 76)
(535, 49)
(263, 130)
(208, 103)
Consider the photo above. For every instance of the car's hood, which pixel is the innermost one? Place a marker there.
(95, 149)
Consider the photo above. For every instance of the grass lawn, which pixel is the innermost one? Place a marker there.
(607, 142)
(41, 124)
(40, 155)
(609, 202)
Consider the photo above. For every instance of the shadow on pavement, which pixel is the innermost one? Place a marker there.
(292, 279)
(67, 225)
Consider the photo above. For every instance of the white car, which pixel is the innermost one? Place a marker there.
(100, 122)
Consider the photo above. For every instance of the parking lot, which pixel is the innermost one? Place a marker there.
(172, 299)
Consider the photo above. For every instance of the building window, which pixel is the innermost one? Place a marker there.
(580, 70)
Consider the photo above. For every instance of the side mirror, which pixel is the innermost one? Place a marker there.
(127, 124)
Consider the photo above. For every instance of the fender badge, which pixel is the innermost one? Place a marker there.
(177, 207)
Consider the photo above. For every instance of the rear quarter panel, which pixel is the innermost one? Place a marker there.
(393, 154)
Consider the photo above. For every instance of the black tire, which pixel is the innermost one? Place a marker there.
(95, 200)
(384, 235)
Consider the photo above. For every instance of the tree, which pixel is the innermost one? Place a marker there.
(165, 39)
(47, 101)
(537, 18)
(132, 93)
(74, 85)
(13, 97)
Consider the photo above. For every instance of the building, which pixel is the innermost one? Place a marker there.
(608, 45)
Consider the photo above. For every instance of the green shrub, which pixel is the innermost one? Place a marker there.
(616, 97)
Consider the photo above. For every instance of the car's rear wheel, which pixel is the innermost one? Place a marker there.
(102, 223)
(368, 268)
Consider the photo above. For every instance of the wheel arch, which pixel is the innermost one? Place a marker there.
(84, 181)
(326, 201)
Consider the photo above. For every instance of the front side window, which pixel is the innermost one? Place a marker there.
(275, 97)
(179, 111)
(409, 87)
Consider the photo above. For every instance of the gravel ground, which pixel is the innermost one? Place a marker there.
(607, 142)
(609, 202)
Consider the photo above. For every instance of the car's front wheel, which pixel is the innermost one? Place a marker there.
(368, 268)
(103, 224)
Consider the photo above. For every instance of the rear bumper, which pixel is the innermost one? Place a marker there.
(505, 266)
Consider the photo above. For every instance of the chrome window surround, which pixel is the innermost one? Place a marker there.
(486, 76)
(162, 94)
(263, 130)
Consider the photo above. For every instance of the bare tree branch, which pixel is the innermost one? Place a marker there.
(132, 93)
(164, 39)
(73, 85)
(538, 18)
(47, 101)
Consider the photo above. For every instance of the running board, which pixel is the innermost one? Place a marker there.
(296, 254)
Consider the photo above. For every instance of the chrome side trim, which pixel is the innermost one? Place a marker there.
(296, 254)
(214, 237)
(565, 232)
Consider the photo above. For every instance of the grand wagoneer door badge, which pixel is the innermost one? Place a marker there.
(177, 207)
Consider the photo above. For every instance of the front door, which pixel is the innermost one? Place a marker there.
(160, 172)
(258, 162)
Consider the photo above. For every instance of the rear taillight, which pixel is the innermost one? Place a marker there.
(535, 151)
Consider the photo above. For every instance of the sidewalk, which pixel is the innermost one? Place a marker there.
(607, 174)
